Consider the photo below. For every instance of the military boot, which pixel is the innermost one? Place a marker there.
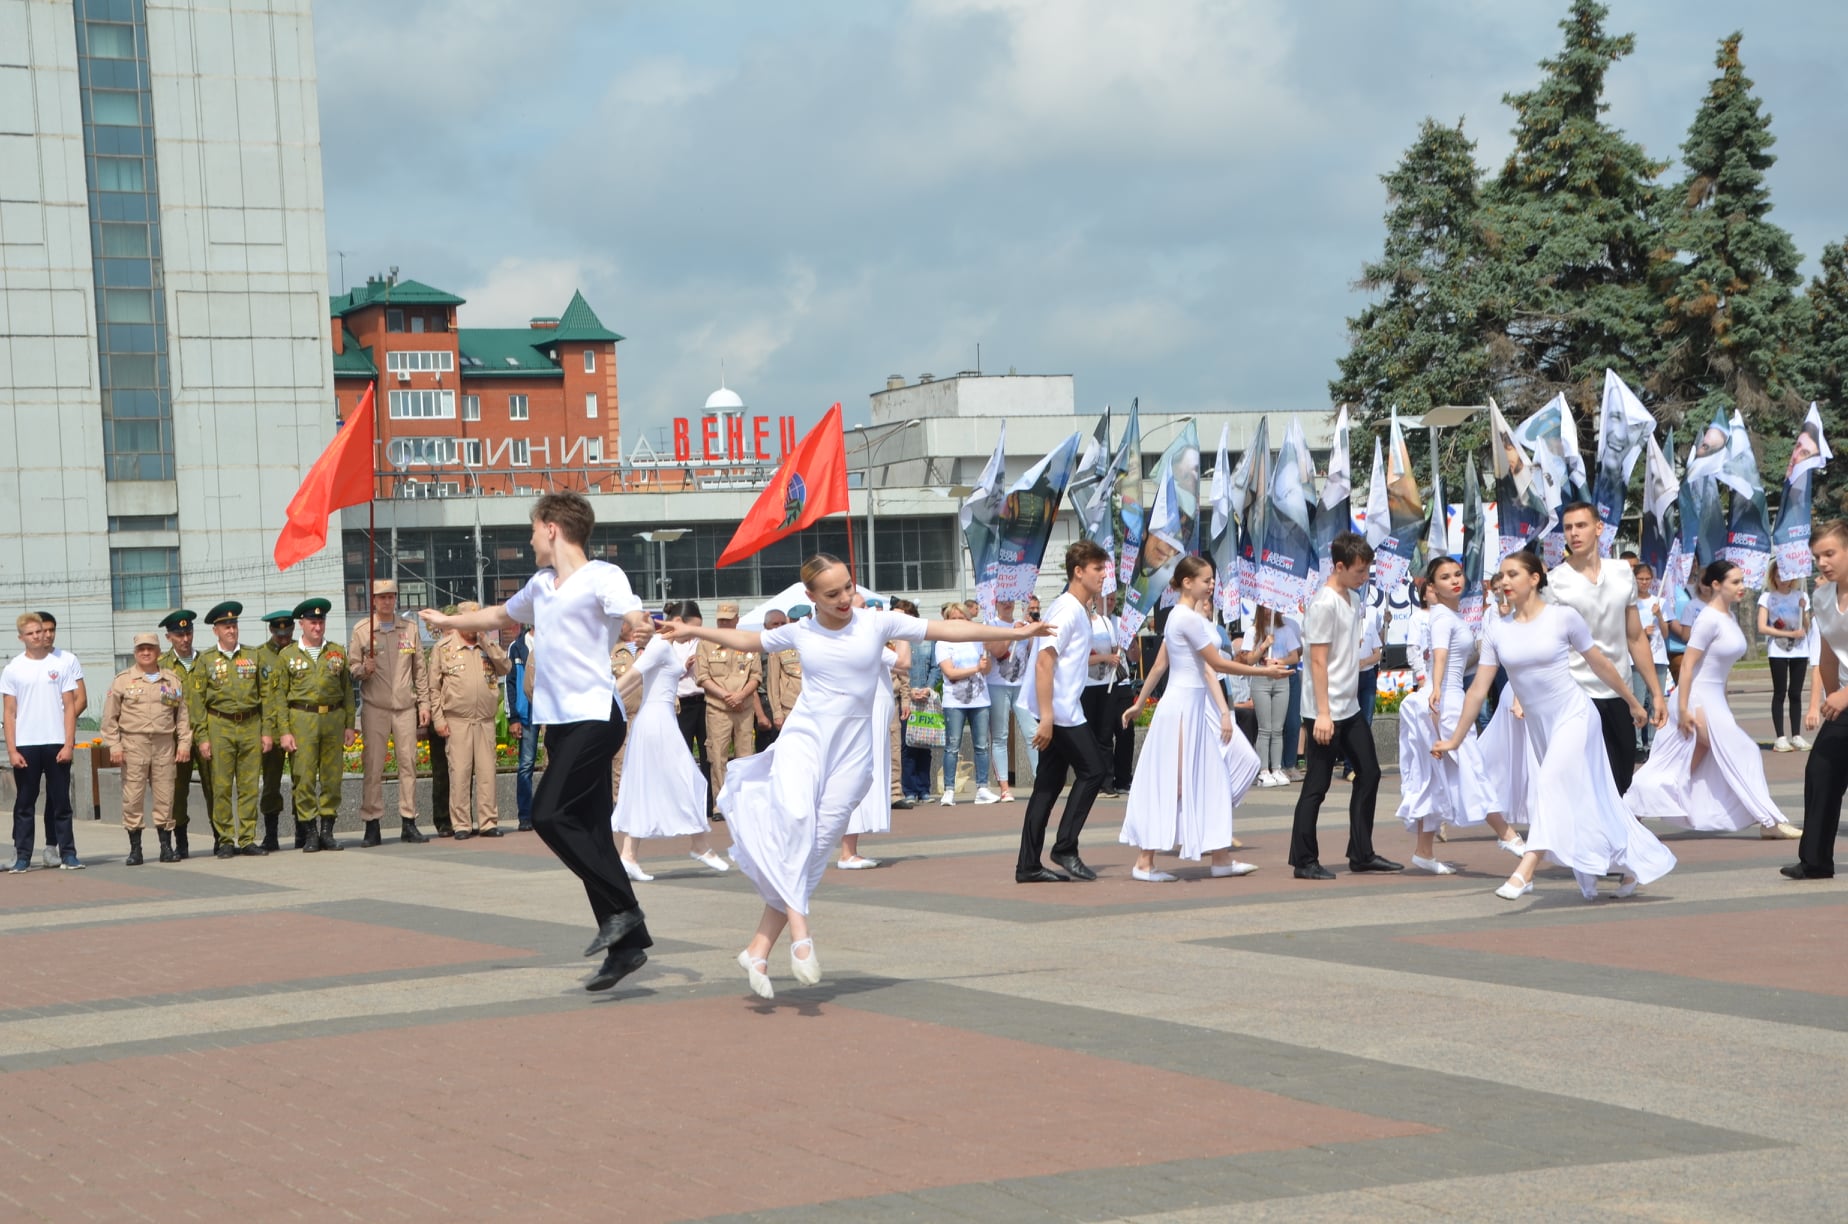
(180, 848)
(305, 839)
(372, 834)
(167, 854)
(327, 835)
(270, 840)
(409, 832)
(134, 848)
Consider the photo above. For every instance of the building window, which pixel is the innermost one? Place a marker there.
(115, 108)
(144, 579)
(417, 324)
(143, 522)
(439, 322)
(121, 174)
(420, 361)
(522, 453)
(394, 320)
(590, 361)
(471, 407)
(593, 450)
(123, 241)
(128, 306)
(109, 41)
(516, 408)
(422, 405)
(471, 452)
(590, 406)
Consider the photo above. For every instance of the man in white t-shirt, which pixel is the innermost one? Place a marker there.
(66, 660)
(1605, 595)
(1064, 739)
(1332, 631)
(40, 699)
(580, 604)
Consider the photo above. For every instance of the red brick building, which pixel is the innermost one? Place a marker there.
(466, 410)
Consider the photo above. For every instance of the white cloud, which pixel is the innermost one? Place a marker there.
(516, 289)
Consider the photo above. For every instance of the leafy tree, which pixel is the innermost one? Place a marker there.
(1821, 369)
(1727, 276)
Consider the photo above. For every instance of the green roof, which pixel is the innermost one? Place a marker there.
(401, 293)
(580, 324)
(353, 361)
(489, 351)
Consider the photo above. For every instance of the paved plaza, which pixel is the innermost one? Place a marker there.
(401, 1034)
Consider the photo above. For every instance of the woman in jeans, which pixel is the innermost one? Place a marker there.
(1004, 709)
(1278, 640)
(1783, 622)
(966, 667)
(914, 771)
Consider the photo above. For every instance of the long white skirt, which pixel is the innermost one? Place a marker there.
(1453, 790)
(873, 814)
(1578, 817)
(1724, 793)
(1509, 765)
(1187, 780)
(663, 792)
(788, 806)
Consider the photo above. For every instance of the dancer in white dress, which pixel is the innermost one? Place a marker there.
(1578, 819)
(663, 790)
(788, 807)
(1453, 788)
(1710, 774)
(874, 813)
(1195, 767)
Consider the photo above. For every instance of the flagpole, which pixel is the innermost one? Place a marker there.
(853, 564)
(372, 502)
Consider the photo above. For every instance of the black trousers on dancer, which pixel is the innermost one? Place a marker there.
(571, 814)
(1619, 738)
(1825, 781)
(1352, 742)
(1071, 749)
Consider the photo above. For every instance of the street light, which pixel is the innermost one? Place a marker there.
(867, 446)
(661, 537)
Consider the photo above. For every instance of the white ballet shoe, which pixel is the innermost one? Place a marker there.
(755, 968)
(711, 860)
(984, 795)
(1628, 887)
(1233, 868)
(1588, 886)
(1514, 889)
(1516, 845)
(856, 863)
(1432, 865)
(1150, 877)
(635, 871)
(807, 969)
(1783, 830)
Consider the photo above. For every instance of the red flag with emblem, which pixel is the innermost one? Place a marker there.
(810, 485)
(341, 477)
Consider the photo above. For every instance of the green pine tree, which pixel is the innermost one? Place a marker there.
(1571, 221)
(1727, 276)
(1822, 369)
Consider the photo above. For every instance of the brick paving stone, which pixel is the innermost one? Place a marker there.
(47, 889)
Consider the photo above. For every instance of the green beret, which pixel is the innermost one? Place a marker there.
(800, 611)
(230, 609)
(180, 620)
(312, 607)
(270, 618)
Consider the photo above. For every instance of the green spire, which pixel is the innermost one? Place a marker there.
(579, 324)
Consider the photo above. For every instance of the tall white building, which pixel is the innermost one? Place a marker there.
(165, 367)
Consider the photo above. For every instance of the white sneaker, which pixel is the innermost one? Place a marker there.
(1432, 865)
(949, 799)
(984, 795)
(1266, 779)
(1233, 868)
(1151, 877)
(1514, 890)
(1781, 744)
(635, 871)
(711, 860)
(1799, 743)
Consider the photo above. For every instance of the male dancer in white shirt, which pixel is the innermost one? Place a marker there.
(580, 605)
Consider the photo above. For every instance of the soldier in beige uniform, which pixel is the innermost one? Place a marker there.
(465, 672)
(783, 676)
(622, 661)
(729, 678)
(386, 654)
(148, 731)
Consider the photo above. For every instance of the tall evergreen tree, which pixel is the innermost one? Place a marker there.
(1728, 275)
(1822, 369)
(1571, 222)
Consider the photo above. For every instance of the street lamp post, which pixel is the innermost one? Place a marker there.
(867, 446)
(661, 538)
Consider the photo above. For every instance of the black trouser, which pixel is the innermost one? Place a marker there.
(1825, 780)
(1247, 719)
(1095, 702)
(1123, 755)
(1619, 738)
(43, 766)
(439, 782)
(1074, 749)
(693, 731)
(1353, 743)
(571, 814)
(1787, 681)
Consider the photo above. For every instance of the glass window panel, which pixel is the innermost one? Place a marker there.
(127, 273)
(124, 241)
(144, 578)
(128, 306)
(120, 174)
(115, 108)
(131, 371)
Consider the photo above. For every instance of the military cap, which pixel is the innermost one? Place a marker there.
(385, 586)
(179, 620)
(316, 607)
(800, 611)
(467, 605)
(147, 639)
(728, 610)
(230, 609)
(270, 618)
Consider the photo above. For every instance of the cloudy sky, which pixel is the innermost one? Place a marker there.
(1169, 200)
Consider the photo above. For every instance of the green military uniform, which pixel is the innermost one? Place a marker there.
(270, 802)
(311, 699)
(181, 620)
(227, 700)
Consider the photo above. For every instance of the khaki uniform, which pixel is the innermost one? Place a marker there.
(729, 733)
(783, 683)
(622, 662)
(146, 720)
(187, 671)
(227, 699)
(270, 802)
(465, 701)
(312, 700)
(393, 691)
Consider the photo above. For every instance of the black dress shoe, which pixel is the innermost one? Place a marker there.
(1039, 875)
(463, 834)
(614, 928)
(445, 832)
(901, 805)
(494, 832)
(619, 964)
(409, 832)
(1798, 871)
(225, 851)
(1075, 865)
(524, 827)
(1314, 871)
(253, 850)
(1378, 862)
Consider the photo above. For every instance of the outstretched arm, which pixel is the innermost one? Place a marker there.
(971, 631)
(731, 639)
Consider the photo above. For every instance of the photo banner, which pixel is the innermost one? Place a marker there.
(1284, 571)
(981, 518)
(1790, 534)
(1550, 439)
(1405, 514)
(1748, 529)
(1623, 427)
(1660, 548)
(1089, 491)
(1222, 529)
(1173, 529)
(1126, 513)
(1025, 526)
(1254, 464)
(1475, 545)
(1334, 510)
(1520, 507)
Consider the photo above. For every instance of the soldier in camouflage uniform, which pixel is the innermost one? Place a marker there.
(180, 659)
(227, 700)
(282, 633)
(309, 709)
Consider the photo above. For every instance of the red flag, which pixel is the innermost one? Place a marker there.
(342, 476)
(811, 484)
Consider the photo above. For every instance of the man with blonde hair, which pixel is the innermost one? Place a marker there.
(40, 700)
